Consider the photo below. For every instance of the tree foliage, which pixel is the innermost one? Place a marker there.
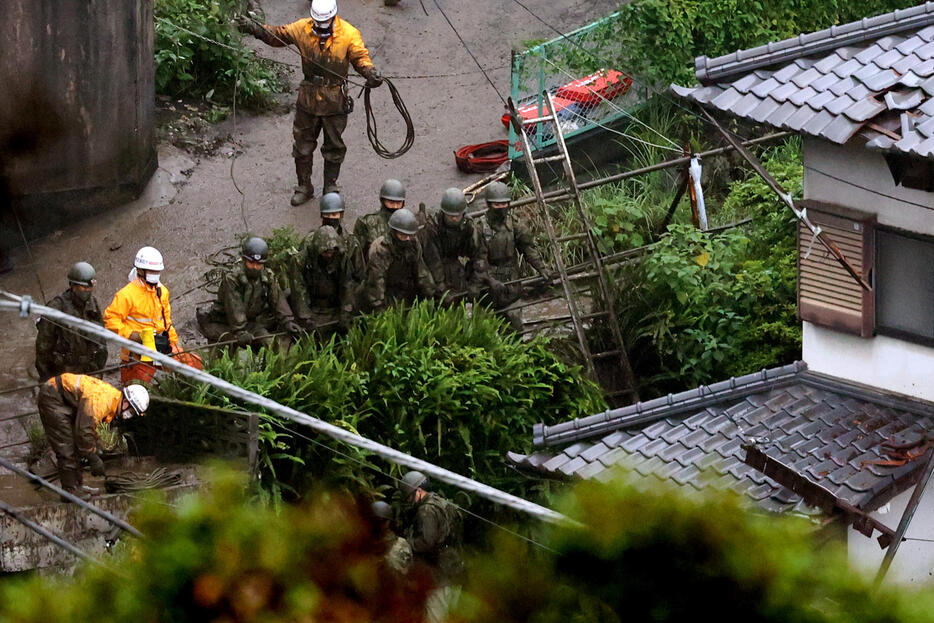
(218, 556)
(643, 554)
(658, 40)
(701, 307)
(212, 63)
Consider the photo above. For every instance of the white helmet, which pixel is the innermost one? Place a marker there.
(323, 10)
(138, 397)
(149, 258)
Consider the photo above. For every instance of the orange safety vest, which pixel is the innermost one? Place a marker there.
(137, 306)
(95, 399)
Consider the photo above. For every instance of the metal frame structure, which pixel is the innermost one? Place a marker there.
(594, 259)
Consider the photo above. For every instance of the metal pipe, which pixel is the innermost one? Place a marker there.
(24, 306)
(557, 195)
(70, 497)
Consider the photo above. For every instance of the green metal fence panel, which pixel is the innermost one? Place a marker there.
(577, 69)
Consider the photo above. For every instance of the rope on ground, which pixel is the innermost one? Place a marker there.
(24, 306)
(130, 481)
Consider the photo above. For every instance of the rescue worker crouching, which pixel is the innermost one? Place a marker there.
(328, 46)
(250, 304)
(371, 226)
(396, 270)
(323, 288)
(140, 306)
(505, 238)
(61, 349)
(398, 552)
(70, 407)
(454, 249)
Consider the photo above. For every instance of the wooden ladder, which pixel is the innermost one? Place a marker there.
(572, 292)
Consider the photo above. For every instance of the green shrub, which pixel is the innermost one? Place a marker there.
(651, 554)
(702, 307)
(191, 66)
(443, 384)
(217, 556)
(658, 40)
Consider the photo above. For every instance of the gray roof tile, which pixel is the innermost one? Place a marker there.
(787, 72)
(654, 447)
(763, 89)
(747, 82)
(845, 85)
(840, 131)
(848, 68)
(826, 64)
(881, 80)
(726, 99)
(909, 45)
(783, 92)
(824, 82)
(869, 53)
(889, 42)
(888, 59)
(746, 105)
(805, 78)
(927, 33)
(656, 429)
(926, 51)
(799, 118)
(908, 63)
(801, 96)
(928, 86)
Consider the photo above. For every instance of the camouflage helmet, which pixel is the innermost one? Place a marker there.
(413, 480)
(331, 203)
(404, 222)
(82, 274)
(381, 510)
(324, 239)
(393, 190)
(497, 192)
(255, 249)
(453, 202)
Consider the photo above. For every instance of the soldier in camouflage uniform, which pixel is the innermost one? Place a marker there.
(371, 226)
(454, 249)
(332, 213)
(435, 530)
(60, 349)
(322, 283)
(250, 303)
(506, 237)
(396, 270)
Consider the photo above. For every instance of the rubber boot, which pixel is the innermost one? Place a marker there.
(332, 171)
(71, 482)
(304, 191)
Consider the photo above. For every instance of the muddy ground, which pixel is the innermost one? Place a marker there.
(191, 207)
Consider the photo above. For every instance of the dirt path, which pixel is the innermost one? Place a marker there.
(191, 207)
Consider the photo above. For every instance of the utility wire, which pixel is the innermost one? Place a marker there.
(466, 47)
(24, 306)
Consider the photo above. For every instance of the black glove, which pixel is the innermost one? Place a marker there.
(96, 464)
(244, 338)
(246, 25)
(292, 327)
(373, 79)
(162, 343)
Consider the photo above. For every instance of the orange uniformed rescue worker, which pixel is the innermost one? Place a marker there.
(143, 304)
(328, 46)
(71, 406)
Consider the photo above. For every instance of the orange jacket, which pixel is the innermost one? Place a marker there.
(95, 400)
(136, 306)
(343, 48)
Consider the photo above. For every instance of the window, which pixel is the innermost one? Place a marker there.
(827, 294)
(904, 285)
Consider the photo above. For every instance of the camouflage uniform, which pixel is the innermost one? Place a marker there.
(322, 289)
(256, 306)
(355, 254)
(505, 238)
(435, 532)
(370, 227)
(455, 254)
(396, 271)
(61, 350)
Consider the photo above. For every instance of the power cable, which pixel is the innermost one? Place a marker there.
(466, 47)
(24, 306)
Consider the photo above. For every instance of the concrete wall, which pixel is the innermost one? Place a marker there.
(914, 562)
(79, 74)
(857, 178)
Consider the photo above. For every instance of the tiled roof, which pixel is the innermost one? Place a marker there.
(873, 78)
(818, 436)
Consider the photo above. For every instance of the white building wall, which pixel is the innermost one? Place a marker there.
(914, 562)
(857, 178)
